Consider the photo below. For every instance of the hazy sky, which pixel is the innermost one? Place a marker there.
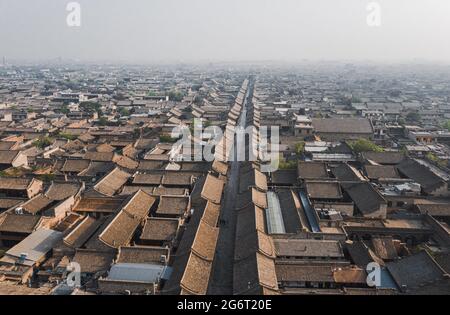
(225, 30)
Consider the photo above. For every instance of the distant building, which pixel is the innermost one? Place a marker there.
(337, 129)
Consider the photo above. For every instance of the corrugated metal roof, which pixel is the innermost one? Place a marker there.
(36, 245)
(148, 273)
(275, 223)
(309, 211)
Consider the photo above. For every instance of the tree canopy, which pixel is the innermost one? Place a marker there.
(102, 121)
(364, 145)
(300, 147)
(124, 112)
(446, 125)
(42, 142)
(167, 139)
(287, 165)
(67, 136)
(91, 107)
(413, 116)
(176, 96)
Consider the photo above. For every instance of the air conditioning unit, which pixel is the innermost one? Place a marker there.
(163, 259)
(19, 210)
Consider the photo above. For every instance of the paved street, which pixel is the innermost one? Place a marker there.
(222, 274)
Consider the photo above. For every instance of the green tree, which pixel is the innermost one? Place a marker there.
(430, 156)
(42, 142)
(404, 150)
(446, 125)
(167, 139)
(47, 178)
(124, 112)
(287, 165)
(198, 100)
(64, 109)
(67, 136)
(413, 116)
(435, 159)
(300, 148)
(91, 107)
(137, 132)
(364, 145)
(176, 96)
(196, 87)
(102, 121)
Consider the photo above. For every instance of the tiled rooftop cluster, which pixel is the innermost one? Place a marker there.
(90, 174)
